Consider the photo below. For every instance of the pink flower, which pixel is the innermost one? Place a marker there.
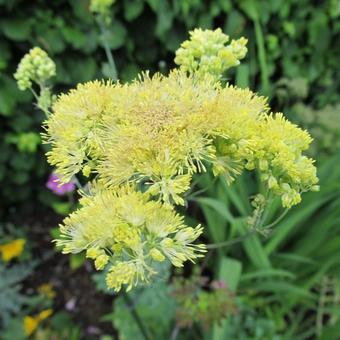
(53, 183)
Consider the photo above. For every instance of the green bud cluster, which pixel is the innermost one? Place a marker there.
(36, 66)
(206, 52)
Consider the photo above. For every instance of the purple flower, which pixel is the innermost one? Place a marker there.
(53, 183)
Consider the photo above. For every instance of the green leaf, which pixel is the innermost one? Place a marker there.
(282, 289)
(250, 8)
(226, 5)
(218, 206)
(252, 246)
(62, 208)
(242, 76)
(132, 9)
(164, 18)
(230, 272)
(330, 332)
(115, 35)
(74, 37)
(28, 142)
(17, 29)
(77, 260)
(265, 273)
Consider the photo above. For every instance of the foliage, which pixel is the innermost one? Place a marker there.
(12, 300)
(282, 273)
(202, 302)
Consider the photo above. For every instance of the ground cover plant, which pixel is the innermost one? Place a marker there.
(194, 202)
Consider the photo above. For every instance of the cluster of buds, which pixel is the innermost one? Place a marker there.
(206, 52)
(35, 67)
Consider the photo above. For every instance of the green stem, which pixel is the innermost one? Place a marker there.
(262, 56)
(253, 231)
(232, 242)
(135, 315)
(108, 52)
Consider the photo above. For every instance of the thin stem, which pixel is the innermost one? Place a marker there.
(262, 56)
(229, 243)
(321, 304)
(253, 231)
(77, 183)
(107, 49)
(174, 333)
(268, 226)
(34, 94)
(135, 315)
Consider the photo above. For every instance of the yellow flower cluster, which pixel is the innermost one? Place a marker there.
(12, 249)
(157, 132)
(31, 323)
(143, 142)
(126, 232)
(36, 66)
(206, 52)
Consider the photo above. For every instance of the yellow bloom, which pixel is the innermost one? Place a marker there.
(12, 249)
(122, 273)
(31, 322)
(144, 141)
(113, 237)
(101, 261)
(156, 255)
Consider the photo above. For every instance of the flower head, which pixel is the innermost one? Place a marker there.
(12, 249)
(126, 245)
(158, 131)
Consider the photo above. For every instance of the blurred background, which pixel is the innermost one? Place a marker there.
(285, 286)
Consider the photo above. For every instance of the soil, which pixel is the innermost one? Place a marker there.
(75, 290)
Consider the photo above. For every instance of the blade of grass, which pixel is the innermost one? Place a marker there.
(265, 273)
(230, 272)
(252, 246)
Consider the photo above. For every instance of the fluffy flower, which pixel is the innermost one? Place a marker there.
(116, 234)
(157, 132)
(73, 129)
(206, 52)
(143, 142)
